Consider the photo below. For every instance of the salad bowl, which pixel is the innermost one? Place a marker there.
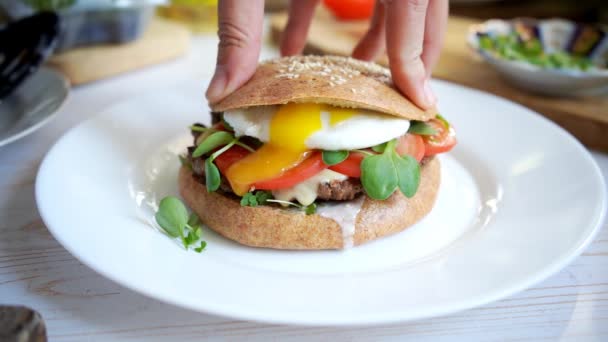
(552, 57)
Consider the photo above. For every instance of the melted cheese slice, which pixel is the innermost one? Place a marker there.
(306, 192)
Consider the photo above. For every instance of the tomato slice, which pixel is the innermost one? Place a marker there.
(411, 144)
(297, 174)
(351, 166)
(229, 157)
(443, 141)
(350, 9)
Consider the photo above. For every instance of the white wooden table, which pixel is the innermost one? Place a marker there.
(79, 304)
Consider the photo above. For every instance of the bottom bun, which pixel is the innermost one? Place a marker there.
(277, 227)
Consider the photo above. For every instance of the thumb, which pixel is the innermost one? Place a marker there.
(240, 32)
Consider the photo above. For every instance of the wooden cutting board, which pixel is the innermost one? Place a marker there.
(585, 118)
(162, 41)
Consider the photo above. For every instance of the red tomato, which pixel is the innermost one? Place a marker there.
(441, 142)
(351, 166)
(350, 9)
(411, 144)
(229, 157)
(297, 174)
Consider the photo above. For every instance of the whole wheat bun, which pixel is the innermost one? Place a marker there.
(275, 227)
(338, 81)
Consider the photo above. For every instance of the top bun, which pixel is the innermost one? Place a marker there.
(333, 80)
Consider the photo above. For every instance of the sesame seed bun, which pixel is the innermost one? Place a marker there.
(338, 81)
(275, 227)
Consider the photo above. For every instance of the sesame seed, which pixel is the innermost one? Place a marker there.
(337, 70)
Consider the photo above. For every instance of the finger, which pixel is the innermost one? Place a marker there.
(405, 22)
(294, 35)
(374, 41)
(240, 31)
(434, 31)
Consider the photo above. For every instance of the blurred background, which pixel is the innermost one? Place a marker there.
(200, 15)
(93, 40)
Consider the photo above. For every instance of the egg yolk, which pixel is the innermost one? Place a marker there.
(290, 126)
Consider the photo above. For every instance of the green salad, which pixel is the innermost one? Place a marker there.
(49, 5)
(511, 47)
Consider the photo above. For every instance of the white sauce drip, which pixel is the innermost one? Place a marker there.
(345, 214)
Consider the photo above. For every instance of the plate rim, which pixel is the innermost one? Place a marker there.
(50, 116)
(360, 320)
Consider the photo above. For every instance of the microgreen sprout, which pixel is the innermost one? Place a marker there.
(308, 209)
(384, 173)
(253, 199)
(421, 128)
(172, 216)
(334, 157)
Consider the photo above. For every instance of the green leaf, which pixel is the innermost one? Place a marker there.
(212, 176)
(201, 129)
(378, 176)
(213, 141)
(334, 157)
(263, 196)
(193, 220)
(172, 216)
(249, 200)
(380, 148)
(382, 174)
(253, 199)
(408, 174)
(184, 161)
(201, 247)
(421, 128)
(310, 209)
(442, 119)
(190, 239)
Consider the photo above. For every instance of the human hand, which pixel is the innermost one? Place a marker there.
(240, 32)
(411, 31)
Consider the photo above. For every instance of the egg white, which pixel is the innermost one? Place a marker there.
(364, 129)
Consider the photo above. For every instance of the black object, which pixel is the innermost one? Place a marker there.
(24, 45)
(20, 323)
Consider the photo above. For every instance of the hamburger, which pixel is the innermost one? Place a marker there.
(314, 153)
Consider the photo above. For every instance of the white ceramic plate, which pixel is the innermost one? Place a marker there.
(33, 104)
(519, 199)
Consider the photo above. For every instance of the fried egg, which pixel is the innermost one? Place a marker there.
(316, 126)
(290, 131)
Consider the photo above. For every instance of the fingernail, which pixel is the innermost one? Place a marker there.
(217, 86)
(431, 99)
